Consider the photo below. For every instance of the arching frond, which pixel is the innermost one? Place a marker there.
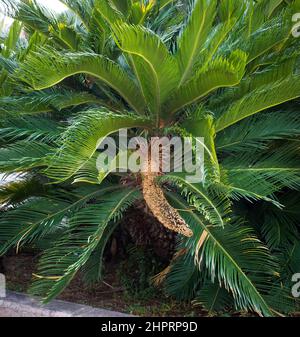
(261, 99)
(200, 124)
(216, 37)
(277, 227)
(48, 67)
(181, 278)
(256, 34)
(273, 171)
(214, 208)
(93, 268)
(11, 40)
(193, 37)
(153, 65)
(14, 192)
(36, 17)
(29, 128)
(108, 11)
(45, 101)
(75, 247)
(235, 258)
(31, 13)
(36, 217)
(276, 72)
(81, 139)
(221, 72)
(92, 173)
(255, 132)
(270, 34)
(24, 155)
(83, 9)
(213, 298)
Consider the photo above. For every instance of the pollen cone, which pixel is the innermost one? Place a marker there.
(159, 206)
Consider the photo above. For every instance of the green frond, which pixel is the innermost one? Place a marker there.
(251, 192)
(8, 65)
(37, 216)
(255, 132)
(36, 17)
(154, 67)
(74, 248)
(167, 23)
(108, 11)
(62, 99)
(229, 9)
(35, 41)
(272, 172)
(48, 67)
(256, 34)
(203, 69)
(83, 9)
(12, 38)
(200, 123)
(91, 173)
(98, 36)
(66, 36)
(221, 72)
(24, 155)
(213, 298)
(214, 208)
(260, 99)
(265, 9)
(46, 101)
(123, 6)
(235, 258)
(270, 34)
(30, 220)
(16, 191)
(193, 37)
(29, 128)
(276, 72)
(164, 3)
(278, 228)
(215, 39)
(30, 13)
(183, 279)
(264, 36)
(293, 259)
(81, 139)
(93, 269)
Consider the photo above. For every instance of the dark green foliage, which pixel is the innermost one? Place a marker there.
(227, 71)
(136, 271)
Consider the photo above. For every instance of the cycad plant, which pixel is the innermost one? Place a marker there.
(227, 71)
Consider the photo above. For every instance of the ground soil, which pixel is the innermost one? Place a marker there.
(108, 294)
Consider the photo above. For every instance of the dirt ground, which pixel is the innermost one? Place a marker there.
(108, 294)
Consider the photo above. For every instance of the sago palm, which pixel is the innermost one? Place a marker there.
(227, 71)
